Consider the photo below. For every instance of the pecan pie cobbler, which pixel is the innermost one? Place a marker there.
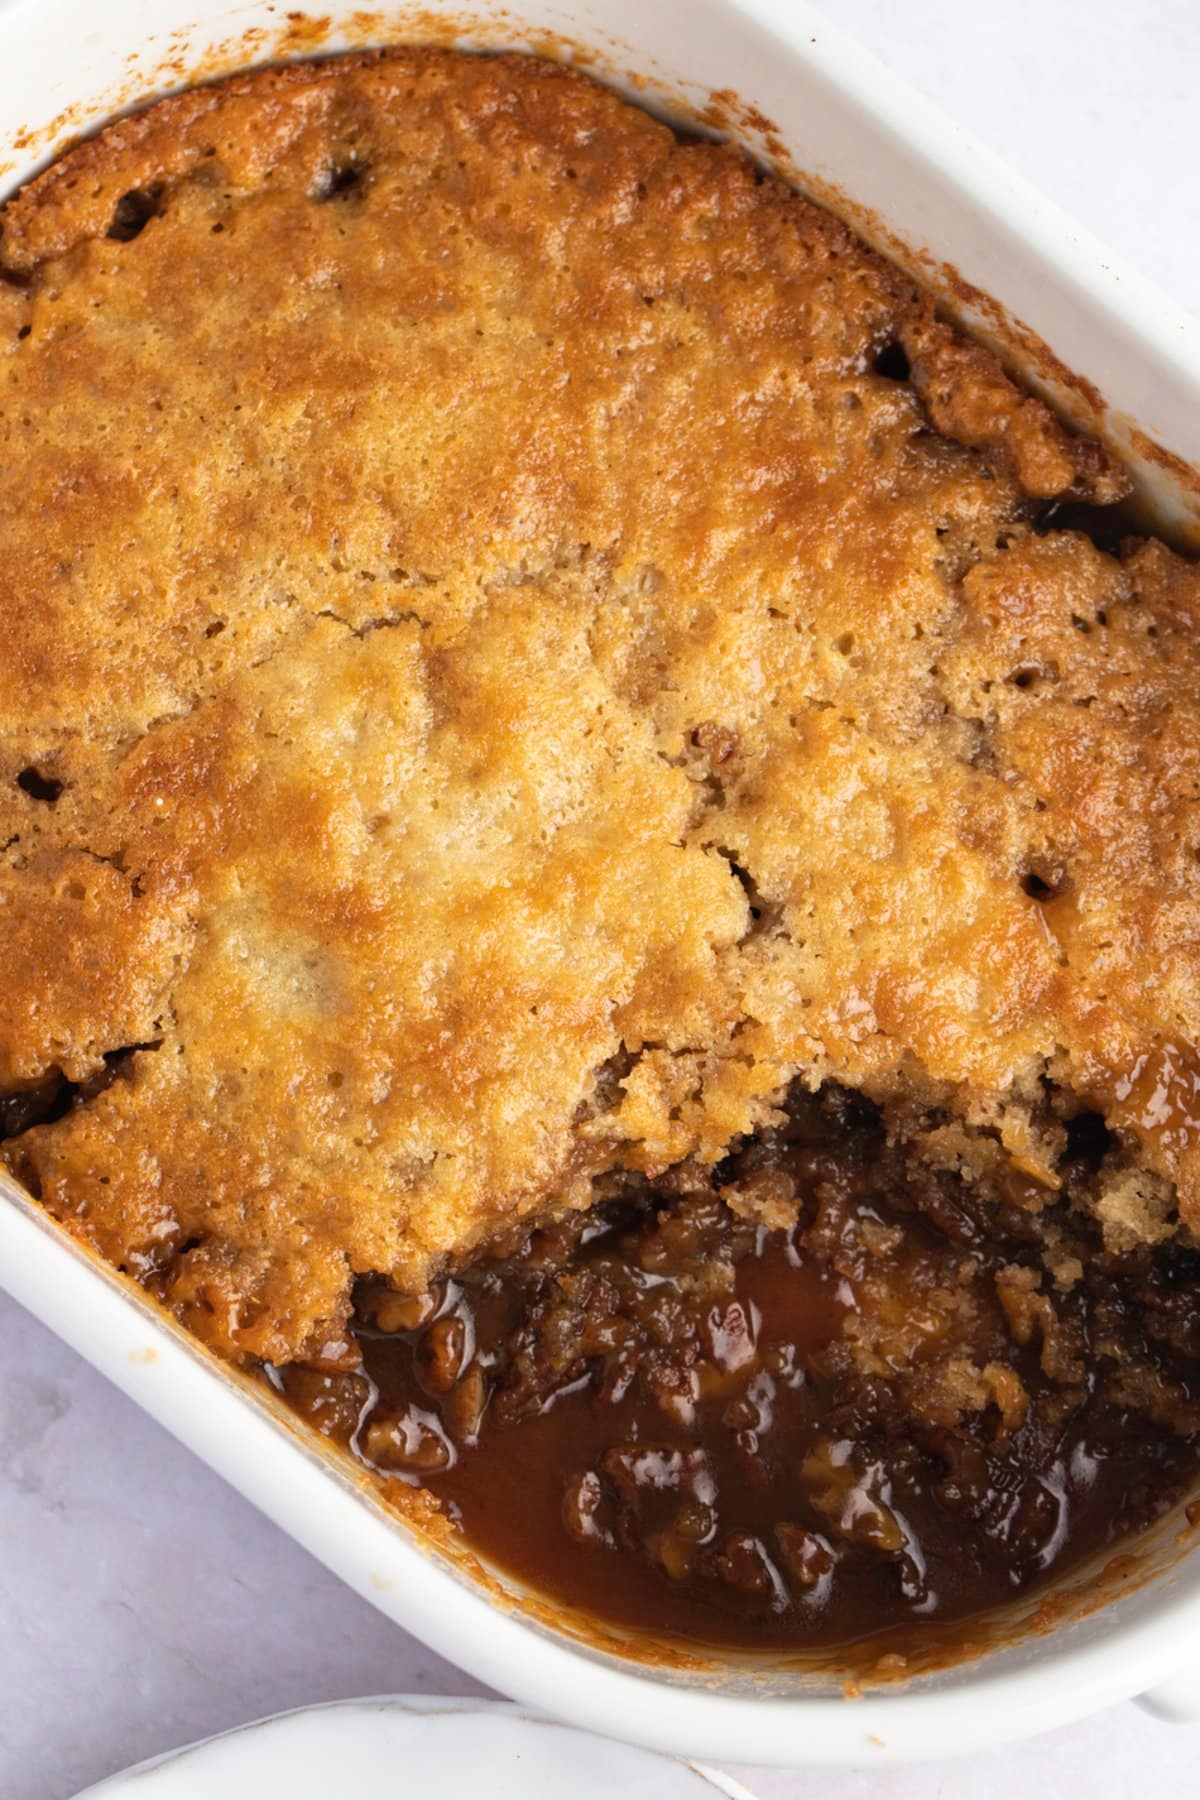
(600, 832)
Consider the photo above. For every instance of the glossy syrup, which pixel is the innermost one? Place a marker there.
(686, 1423)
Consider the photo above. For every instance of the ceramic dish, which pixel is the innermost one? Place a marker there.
(780, 79)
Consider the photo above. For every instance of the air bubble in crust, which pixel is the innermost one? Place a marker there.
(134, 211)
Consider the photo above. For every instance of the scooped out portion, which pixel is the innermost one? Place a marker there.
(530, 659)
(825, 1393)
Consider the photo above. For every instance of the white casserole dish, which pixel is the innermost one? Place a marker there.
(838, 120)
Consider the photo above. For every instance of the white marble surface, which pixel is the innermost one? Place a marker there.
(141, 1602)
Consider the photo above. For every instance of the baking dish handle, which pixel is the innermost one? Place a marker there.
(1175, 1700)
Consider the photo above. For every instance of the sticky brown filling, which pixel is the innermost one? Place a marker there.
(825, 1392)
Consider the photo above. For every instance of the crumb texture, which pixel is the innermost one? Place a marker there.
(520, 639)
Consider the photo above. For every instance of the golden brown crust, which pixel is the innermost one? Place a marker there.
(968, 397)
(524, 687)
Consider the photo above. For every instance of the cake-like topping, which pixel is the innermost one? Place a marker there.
(520, 639)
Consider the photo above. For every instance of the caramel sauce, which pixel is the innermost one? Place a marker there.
(1159, 1097)
(869, 1424)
